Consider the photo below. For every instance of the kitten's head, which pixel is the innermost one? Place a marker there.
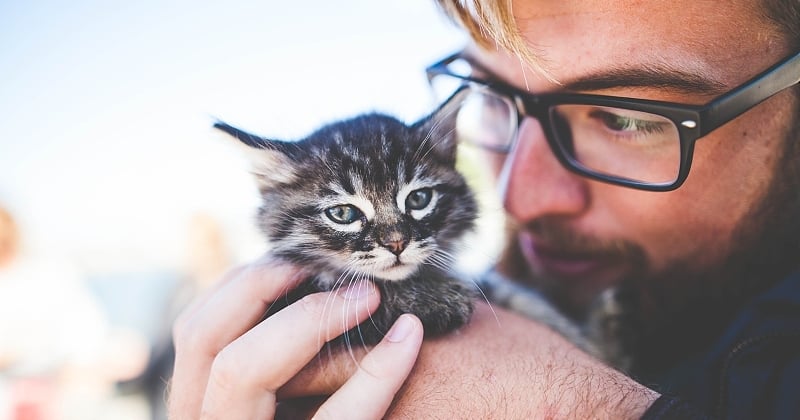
(369, 197)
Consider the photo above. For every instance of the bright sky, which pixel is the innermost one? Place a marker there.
(105, 108)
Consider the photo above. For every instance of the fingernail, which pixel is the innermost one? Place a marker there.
(401, 329)
(357, 290)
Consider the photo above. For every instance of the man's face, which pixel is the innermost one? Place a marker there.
(579, 236)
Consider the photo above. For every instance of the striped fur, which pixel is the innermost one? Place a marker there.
(370, 198)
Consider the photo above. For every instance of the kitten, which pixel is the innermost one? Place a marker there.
(370, 198)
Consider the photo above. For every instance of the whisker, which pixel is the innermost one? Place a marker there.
(356, 279)
(339, 282)
(434, 127)
(443, 262)
(365, 277)
(477, 285)
(442, 259)
(430, 147)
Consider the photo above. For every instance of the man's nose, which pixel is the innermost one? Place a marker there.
(535, 184)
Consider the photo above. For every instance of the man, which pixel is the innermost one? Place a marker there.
(689, 212)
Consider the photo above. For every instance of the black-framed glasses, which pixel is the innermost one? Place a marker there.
(636, 143)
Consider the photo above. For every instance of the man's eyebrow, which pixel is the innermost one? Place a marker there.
(658, 77)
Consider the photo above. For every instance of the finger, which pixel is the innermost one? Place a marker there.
(257, 269)
(324, 374)
(369, 393)
(247, 372)
(225, 314)
(237, 305)
(200, 299)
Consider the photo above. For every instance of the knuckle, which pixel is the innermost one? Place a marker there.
(235, 370)
(315, 303)
(228, 371)
(181, 326)
(188, 333)
(247, 277)
(182, 330)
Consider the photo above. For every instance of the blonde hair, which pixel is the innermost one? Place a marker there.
(491, 24)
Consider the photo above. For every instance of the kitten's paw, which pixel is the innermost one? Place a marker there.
(442, 305)
(448, 312)
(440, 325)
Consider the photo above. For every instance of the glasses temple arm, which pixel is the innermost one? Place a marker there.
(723, 109)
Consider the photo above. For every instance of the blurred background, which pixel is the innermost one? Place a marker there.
(120, 203)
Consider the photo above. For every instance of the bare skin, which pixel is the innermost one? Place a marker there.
(532, 386)
(509, 366)
(732, 167)
(217, 375)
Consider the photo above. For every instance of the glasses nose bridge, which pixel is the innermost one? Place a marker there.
(532, 107)
(528, 107)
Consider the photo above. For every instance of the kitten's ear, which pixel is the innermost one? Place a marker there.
(439, 130)
(268, 158)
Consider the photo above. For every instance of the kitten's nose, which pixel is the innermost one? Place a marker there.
(396, 247)
(395, 242)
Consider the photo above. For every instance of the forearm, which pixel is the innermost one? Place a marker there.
(535, 374)
(498, 366)
(588, 389)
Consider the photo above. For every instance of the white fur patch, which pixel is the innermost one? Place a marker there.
(384, 265)
(270, 167)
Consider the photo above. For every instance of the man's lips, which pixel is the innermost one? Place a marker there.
(562, 263)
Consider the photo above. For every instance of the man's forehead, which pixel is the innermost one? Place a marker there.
(603, 76)
(634, 45)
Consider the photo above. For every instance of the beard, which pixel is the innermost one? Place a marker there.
(683, 310)
(664, 317)
(678, 312)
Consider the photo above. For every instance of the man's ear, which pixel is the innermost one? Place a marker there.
(269, 160)
(439, 130)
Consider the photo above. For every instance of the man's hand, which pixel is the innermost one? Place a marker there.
(229, 365)
(499, 366)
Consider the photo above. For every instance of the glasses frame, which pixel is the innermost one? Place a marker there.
(692, 121)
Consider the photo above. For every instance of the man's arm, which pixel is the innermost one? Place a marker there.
(499, 366)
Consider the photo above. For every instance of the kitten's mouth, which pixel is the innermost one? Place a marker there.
(397, 270)
(396, 265)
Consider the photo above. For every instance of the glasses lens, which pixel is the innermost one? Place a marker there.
(486, 119)
(618, 142)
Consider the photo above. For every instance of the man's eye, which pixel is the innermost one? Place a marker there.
(419, 199)
(344, 214)
(624, 123)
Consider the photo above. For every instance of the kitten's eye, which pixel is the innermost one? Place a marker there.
(344, 214)
(419, 199)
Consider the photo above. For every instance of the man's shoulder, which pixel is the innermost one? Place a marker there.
(757, 361)
(776, 311)
(752, 370)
